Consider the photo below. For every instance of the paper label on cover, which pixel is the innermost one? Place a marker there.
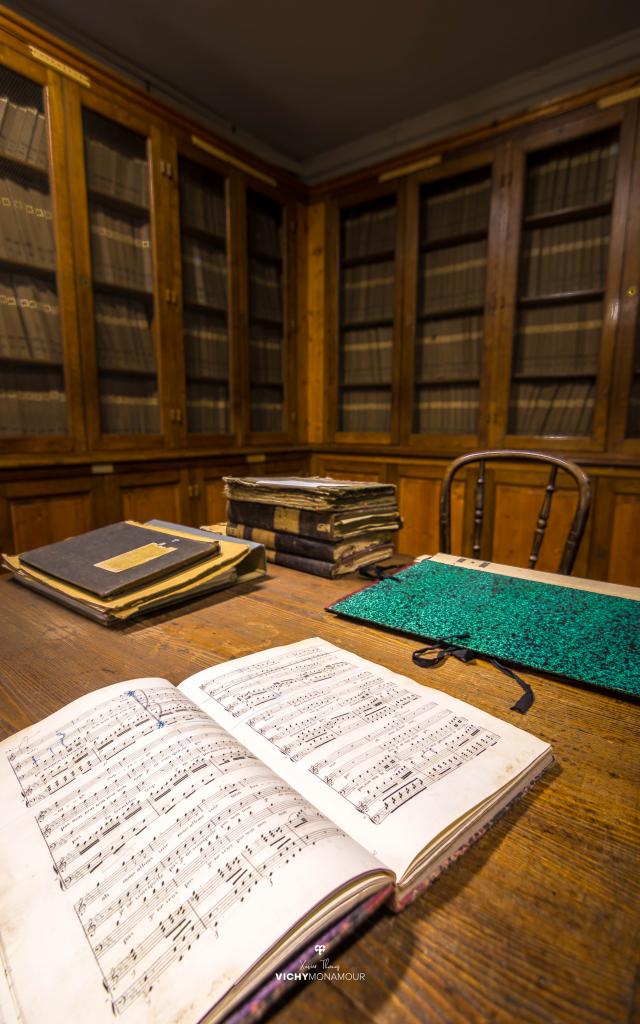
(135, 557)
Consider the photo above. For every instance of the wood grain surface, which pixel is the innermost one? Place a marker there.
(539, 921)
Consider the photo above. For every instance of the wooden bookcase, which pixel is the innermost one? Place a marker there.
(510, 260)
(170, 264)
(199, 311)
(40, 393)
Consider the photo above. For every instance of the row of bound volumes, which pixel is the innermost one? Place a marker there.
(120, 248)
(33, 402)
(368, 292)
(452, 278)
(565, 257)
(446, 409)
(264, 228)
(29, 320)
(558, 339)
(550, 408)
(123, 334)
(206, 347)
(23, 133)
(265, 355)
(202, 200)
(204, 274)
(129, 405)
(26, 223)
(116, 174)
(445, 213)
(265, 290)
(448, 347)
(266, 409)
(366, 355)
(367, 410)
(369, 230)
(207, 408)
(579, 174)
(116, 159)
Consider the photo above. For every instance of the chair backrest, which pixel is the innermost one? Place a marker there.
(576, 529)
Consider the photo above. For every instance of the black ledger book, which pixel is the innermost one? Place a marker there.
(117, 558)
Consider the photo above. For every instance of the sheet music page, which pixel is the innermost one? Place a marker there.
(147, 860)
(390, 761)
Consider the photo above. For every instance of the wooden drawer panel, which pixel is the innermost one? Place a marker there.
(43, 511)
(516, 509)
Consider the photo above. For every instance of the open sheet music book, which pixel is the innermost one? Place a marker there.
(165, 851)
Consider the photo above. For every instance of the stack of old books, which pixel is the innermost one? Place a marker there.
(120, 571)
(315, 524)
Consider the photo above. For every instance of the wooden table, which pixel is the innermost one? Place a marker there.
(539, 921)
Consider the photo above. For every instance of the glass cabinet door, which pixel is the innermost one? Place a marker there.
(120, 229)
(563, 263)
(366, 316)
(266, 316)
(33, 399)
(453, 228)
(205, 302)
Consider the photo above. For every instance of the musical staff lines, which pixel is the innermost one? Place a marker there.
(159, 825)
(381, 744)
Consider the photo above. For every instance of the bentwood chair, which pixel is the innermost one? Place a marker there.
(578, 524)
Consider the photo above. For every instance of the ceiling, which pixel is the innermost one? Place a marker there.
(305, 77)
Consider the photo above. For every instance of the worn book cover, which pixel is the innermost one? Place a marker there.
(323, 550)
(314, 492)
(118, 557)
(305, 523)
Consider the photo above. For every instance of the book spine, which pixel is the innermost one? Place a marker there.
(311, 565)
(288, 520)
(288, 542)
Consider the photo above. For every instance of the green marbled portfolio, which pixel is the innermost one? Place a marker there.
(583, 635)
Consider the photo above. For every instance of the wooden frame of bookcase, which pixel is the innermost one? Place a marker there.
(77, 99)
(461, 164)
(51, 85)
(568, 129)
(333, 319)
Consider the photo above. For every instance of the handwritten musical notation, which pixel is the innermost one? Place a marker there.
(159, 825)
(371, 741)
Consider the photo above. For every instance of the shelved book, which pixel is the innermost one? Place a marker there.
(165, 851)
(315, 524)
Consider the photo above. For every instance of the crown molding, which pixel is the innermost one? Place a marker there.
(578, 71)
(155, 87)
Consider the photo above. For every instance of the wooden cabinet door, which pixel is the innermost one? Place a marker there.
(151, 494)
(453, 233)
(365, 253)
(38, 512)
(419, 503)
(560, 292)
(513, 498)
(615, 554)
(267, 303)
(121, 229)
(40, 388)
(204, 323)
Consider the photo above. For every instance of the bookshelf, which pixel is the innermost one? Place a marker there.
(266, 313)
(367, 244)
(119, 220)
(205, 289)
(32, 374)
(562, 276)
(451, 270)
